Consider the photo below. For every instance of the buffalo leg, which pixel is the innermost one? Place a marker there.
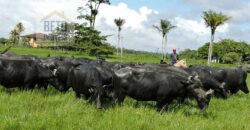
(120, 98)
(78, 95)
(162, 103)
(160, 106)
(28, 86)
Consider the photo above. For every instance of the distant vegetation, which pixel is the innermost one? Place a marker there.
(226, 51)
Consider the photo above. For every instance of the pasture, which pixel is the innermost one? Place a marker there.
(52, 110)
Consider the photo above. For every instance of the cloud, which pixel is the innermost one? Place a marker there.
(134, 18)
(31, 12)
(198, 27)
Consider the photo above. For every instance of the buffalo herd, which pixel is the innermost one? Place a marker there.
(99, 81)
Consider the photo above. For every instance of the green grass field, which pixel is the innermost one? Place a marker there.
(42, 110)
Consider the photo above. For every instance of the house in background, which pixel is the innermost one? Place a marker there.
(36, 39)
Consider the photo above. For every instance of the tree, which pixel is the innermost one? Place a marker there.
(3, 40)
(231, 57)
(213, 20)
(93, 6)
(13, 36)
(19, 29)
(164, 28)
(119, 22)
(223, 47)
(65, 32)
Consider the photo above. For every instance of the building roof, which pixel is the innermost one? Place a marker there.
(60, 14)
(36, 35)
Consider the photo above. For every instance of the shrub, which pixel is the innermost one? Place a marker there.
(231, 57)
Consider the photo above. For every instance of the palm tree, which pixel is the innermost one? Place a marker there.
(213, 20)
(19, 29)
(119, 22)
(164, 28)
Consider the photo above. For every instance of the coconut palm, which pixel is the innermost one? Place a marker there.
(164, 28)
(213, 20)
(119, 23)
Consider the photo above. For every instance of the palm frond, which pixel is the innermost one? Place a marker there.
(213, 19)
(119, 22)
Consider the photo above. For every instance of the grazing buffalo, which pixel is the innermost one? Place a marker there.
(61, 67)
(161, 86)
(209, 82)
(90, 80)
(22, 73)
(61, 73)
(235, 78)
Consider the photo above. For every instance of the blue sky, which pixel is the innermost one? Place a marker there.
(136, 4)
(160, 5)
(140, 16)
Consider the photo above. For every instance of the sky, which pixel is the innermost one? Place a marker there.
(140, 15)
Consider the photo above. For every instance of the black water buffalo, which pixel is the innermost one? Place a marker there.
(61, 73)
(235, 78)
(22, 73)
(161, 86)
(61, 67)
(209, 82)
(90, 80)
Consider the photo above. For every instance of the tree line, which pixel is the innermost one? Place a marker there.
(224, 51)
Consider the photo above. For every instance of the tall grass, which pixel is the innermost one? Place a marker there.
(49, 109)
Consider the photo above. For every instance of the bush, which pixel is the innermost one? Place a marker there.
(231, 57)
(3, 41)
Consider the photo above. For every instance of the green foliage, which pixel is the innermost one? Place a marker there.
(103, 49)
(91, 10)
(88, 35)
(119, 22)
(165, 27)
(83, 38)
(3, 41)
(225, 46)
(15, 34)
(202, 51)
(231, 57)
(189, 54)
(214, 19)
